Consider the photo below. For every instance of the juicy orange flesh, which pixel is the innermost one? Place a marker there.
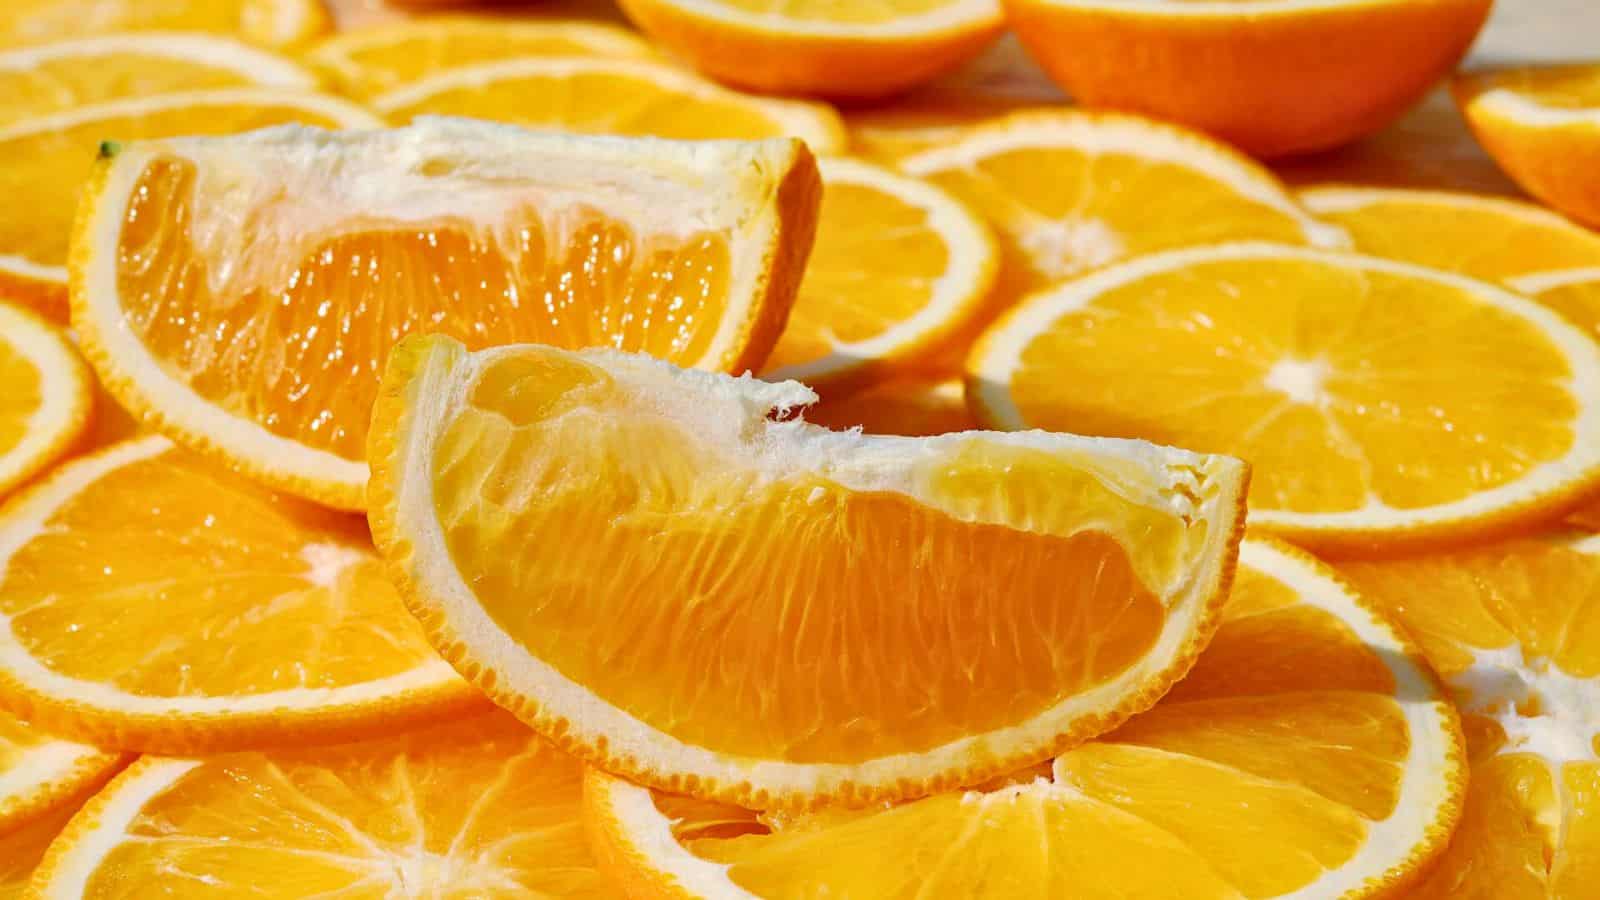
(42, 172)
(1561, 87)
(1255, 790)
(23, 394)
(599, 103)
(365, 71)
(1341, 386)
(227, 590)
(479, 808)
(53, 85)
(842, 12)
(912, 406)
(21, 850)
(874, 265)
(36, 21)
(701, 597)
(302, 355)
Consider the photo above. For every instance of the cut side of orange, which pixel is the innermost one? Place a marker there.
(599, 95)
(912, 405)
(478, 808)
(242, 294)
(1514, 630)
(855, 49)
(46, 396)
(272, 23)
(1309, 754)
(45, 161)
(153, 603)
(22, 849)
(369, 61)
(767, 612)
(40, 776)
(1383, 404)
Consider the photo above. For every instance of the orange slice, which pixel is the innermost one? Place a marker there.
(472, 809)
(764, 611)
(1274, 77)
(898, 269)
(599, 95)
(914, 405)
(1574, 293)
(270, 359)
(1383, 404)
(41, 776)
(44, 163)
(45, 396)
(237, 617)
(891, 132)
(1309, 754)
(273, 23)
(21, 851)
(1542, 125)
(369, 61)
(825, 47)
(1514, 630)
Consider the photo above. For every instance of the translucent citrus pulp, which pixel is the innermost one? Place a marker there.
(369, 61)
(913, 405)
(768, 612)
(1382, 404)
(1274, 77)
(270, 359)
(899, 267)
(479, 808)
(274, 23)
(600, 95)
(41, 775)
(1542, 125)
(154, 603)
(53, 78)
(45, 161)
(1308, 754)
(835, 48)
(1514, 630)
(45, 396)
(21, 851)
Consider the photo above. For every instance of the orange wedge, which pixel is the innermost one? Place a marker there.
(270, 359)
(472, 809)
(45, 161)
(273, 23)
(1542, 125)
(1383, 404)
(152, 603)
(600, 95)
(825, 47)
(1514, 630)
(46, 397)
(1274, 77)
(763, 611)
(1309, 754)
(914, 405)
(368, 61)
(899, 268)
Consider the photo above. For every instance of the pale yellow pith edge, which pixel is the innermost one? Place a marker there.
(51, 776)
(954, 17)
(1332, 199)
(66, 402)
(260, 67)
(409, 417)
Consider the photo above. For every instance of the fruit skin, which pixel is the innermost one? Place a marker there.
(862, 66)
(1556, 162)
(1273, 80)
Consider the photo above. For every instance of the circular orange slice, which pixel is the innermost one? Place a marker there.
(268, 357)
(1309, 754)
(760, 610)
(153, 603)
(1382, 404)
(477, 808)
(273, 23)
(46, 396)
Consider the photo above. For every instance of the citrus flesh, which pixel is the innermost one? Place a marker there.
(40, 775)
(273, 23)
(45, 396)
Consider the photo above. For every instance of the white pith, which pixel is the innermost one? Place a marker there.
(999, 356)
(63, 390)
(813, 123)
(1525, 108)
(339, 51)
(1537, 283)
(1425, 785)
(954, 15)
(250, 63)
(53, 764)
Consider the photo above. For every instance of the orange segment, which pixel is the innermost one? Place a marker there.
(768, 545)
(238, 617)
(263, 345)
(273, 23)
(45, 396)
(1372, 396)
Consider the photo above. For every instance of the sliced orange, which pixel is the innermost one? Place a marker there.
(894, 131)
(153, 603)
(479, 808)
(600, 95)
(1514, 630)
(854, 49)
(763, 611)
(1542, 125)
(21, 851)
(366, 62)
(273, 23)
(1309, 754)
(1274, 77)
(45, 161)
(899, 268)
(1383, 404)
(243, 293)
(41, 775)
(914, 405)
(1574, 293)
(46, 396)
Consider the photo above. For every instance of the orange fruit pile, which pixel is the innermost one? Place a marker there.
(478, 454)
